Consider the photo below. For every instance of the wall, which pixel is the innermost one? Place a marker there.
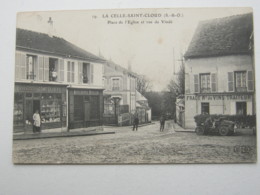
(222, 101)
(62, 63)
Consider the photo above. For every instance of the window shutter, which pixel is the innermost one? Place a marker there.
(61, 70)
(41, 68)
(196, 83)
(92, 73)
(80, 64)
(230, 81)
(213, 82)
(36, 68)
(17, 66)
(250, 81)
(46, 68)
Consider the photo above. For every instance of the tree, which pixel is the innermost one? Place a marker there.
(143, 84)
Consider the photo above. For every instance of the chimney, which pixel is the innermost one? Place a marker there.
(51, 29)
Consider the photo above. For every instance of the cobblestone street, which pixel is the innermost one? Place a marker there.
(147, 145)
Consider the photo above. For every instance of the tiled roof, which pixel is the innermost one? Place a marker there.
(40, 42)
(222, 36)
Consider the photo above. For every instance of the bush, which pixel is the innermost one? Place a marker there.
(241, 121)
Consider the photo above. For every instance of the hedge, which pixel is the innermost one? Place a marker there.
(241, 121)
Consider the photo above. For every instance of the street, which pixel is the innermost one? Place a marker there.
(147, 145)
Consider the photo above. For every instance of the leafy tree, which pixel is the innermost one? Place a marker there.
(143, 84)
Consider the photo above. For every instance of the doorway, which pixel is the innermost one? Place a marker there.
(241, 108)
(36, 106)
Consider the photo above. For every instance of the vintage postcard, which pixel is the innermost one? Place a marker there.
(135, 86)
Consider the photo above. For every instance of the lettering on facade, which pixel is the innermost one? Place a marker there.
(218, 97)
(42, 89)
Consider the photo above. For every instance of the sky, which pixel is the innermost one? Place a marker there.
(152, 49)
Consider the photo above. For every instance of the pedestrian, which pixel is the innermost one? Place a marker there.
(162, 122)
(136, 122)
(36, 122)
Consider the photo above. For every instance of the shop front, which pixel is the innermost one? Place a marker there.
(85, 108)
(221, 104)
(49, 100)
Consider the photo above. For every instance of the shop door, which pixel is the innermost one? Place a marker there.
(28, 112)
(36, 105)
(86, 111)
(241, 108)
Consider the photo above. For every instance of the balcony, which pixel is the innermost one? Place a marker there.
(30, 76)
(241, 89)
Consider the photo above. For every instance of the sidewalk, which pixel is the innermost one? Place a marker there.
(54, 133)
(178, 128)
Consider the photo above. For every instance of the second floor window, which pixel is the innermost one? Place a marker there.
(240, 81)
(205, 83)
(30, 65)
(115, 84)
(53, 69)
(70, 72)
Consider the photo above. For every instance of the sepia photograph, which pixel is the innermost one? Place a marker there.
(135, 86)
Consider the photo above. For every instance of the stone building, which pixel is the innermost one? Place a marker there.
(219, 68)
(61, 80)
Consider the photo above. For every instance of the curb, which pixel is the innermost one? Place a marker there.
(56, 135)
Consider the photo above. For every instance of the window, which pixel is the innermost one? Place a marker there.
(205, 83)
(240, 81)
(115, 84)
(18, 109)
(241, 108)
(86, 73)
(70, 72)
(205, 108)
(53, 69)
(30, 65)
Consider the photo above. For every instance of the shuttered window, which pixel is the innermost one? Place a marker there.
(80, 75)
(92, 73)
(250, 81)
(20, 66)
(196, 83)
(214, 82)
(61, 70)
(230, 81)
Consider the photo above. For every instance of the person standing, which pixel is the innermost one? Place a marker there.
(162, 122)
(136, 122)
(36, 122)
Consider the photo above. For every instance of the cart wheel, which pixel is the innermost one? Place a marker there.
(223, 131)
(200, 130)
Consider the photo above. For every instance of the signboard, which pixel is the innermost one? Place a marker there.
(39, 88)
(219, 97)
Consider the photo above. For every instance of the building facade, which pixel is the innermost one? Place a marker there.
(60, 80)
(120, 85)
(219, 69)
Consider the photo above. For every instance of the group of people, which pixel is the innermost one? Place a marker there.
(136, 122)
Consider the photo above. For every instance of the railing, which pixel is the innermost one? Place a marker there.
(241, 89)
(31, 76)
(205, 90)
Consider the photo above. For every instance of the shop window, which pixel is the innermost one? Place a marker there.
(18, 109)
(78, 108)
(53, 69)
(115, 84)
(241, 108)
(205, 83)
(30, 66)
(205, 108)
(240, 81)
(50, 108)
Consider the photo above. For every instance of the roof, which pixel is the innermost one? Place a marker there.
(119, 68)
(40, 42)
(222, 36)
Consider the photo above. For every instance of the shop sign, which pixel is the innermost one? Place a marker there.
(219, 97)
(85, 92)
(41, 89)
